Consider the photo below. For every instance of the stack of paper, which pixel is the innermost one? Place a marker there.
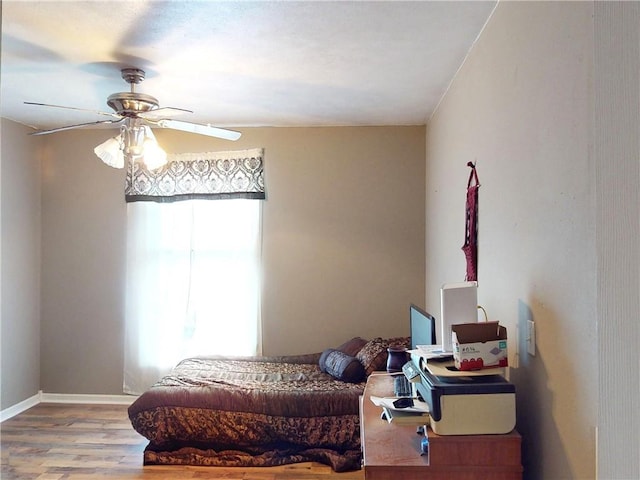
(418, 414)
(431, 351)
(400, 417)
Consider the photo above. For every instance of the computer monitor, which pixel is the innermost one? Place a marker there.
(423, 327)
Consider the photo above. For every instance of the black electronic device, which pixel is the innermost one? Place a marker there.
(423, 327)
(401, 386)
(433, 387)
(411, 372)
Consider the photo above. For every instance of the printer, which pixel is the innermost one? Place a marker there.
(465, 403)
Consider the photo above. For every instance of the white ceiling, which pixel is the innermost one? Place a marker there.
(237, 63)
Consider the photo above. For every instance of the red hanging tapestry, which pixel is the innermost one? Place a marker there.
(470, 247)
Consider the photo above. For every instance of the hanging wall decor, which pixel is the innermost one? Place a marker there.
(470, 247)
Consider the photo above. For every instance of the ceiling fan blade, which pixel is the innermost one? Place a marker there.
(199, 129)
(71, 127)
(163, 112)
(109, 114)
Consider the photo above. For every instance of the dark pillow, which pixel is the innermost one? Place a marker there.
(341, 366)
(353, 346)
(373, 355)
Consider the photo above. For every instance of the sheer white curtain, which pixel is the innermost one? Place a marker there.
(192, 284)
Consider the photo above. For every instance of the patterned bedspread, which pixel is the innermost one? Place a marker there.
(250, 411)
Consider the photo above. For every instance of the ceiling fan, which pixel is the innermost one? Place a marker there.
(135, 112)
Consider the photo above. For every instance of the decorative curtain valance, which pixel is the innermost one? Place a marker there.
(187, 176)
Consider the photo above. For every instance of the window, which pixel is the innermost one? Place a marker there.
(193, 284)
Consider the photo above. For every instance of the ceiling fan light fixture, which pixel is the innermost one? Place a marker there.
(111, 152)
(135, 143)
(152, 155)
(133, 134)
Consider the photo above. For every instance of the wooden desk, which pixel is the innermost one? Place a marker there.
(393, 451)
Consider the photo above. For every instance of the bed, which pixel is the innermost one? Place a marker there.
(261, 411)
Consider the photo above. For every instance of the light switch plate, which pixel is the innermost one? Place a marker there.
(531, 337)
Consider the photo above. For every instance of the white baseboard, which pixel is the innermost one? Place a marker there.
(64, 398)
(14, 410)
(87, 398)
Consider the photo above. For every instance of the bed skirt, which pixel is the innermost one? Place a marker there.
(339, 461)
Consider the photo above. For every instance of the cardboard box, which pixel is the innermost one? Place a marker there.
(479, 345)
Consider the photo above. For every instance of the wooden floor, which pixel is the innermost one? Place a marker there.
(89, 442)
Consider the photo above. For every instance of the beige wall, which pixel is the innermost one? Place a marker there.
(617, 194)
(343, 249)
(20, 266)
(83, 261)
(547, 104)
(521, 107)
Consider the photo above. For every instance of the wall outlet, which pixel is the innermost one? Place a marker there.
(531, 337)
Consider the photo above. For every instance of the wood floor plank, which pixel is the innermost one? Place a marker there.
(92, 442)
